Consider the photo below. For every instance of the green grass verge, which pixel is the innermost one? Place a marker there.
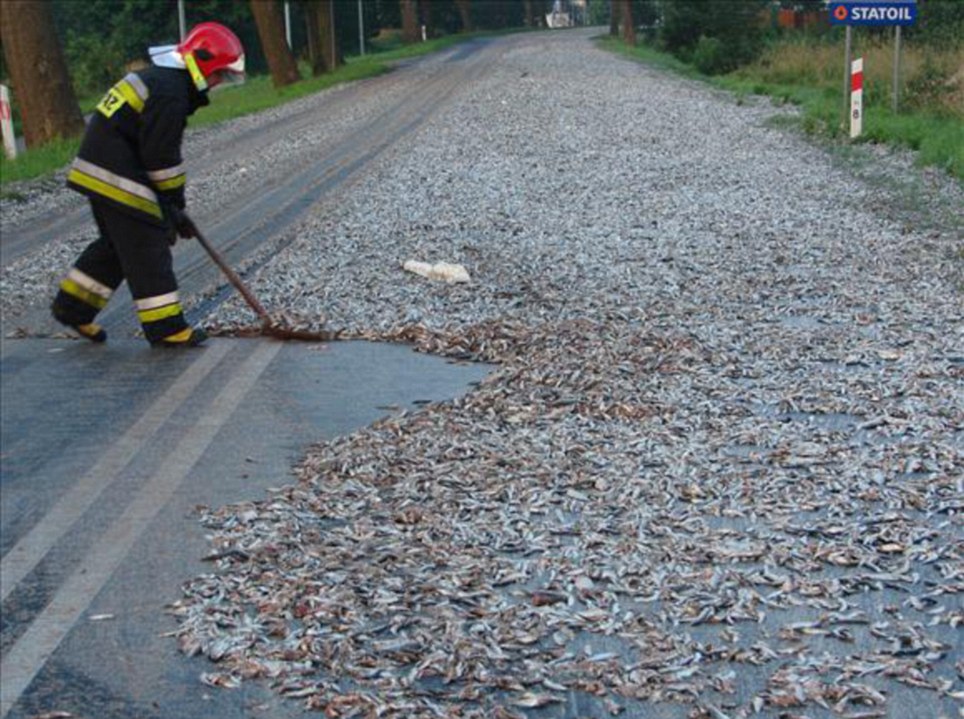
(37, 162)
(938, 140)
(255, 95)
(647, 55)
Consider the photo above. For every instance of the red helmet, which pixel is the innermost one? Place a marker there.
(212, 54)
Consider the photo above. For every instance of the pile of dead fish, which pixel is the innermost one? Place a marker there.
(717, 472)
(607, 515)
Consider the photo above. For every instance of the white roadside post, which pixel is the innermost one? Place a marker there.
(181, 19)
(847, 52)
(856, 97)
(361, 28)
(288, 24)
(6, 123)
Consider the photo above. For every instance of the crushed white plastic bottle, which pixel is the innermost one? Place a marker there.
(445, 271)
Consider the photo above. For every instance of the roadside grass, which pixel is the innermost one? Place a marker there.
(37, 162)
(809, 73)
(648, 55)
(255, 95)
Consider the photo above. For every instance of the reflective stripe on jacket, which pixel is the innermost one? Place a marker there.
(131, 153)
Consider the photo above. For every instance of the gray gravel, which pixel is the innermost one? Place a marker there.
(729, 413)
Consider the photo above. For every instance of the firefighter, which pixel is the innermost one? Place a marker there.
(130, 168)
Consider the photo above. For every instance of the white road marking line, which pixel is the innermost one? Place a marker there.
(38, 643)
(32, 547)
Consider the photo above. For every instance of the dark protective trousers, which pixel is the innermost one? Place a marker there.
(127, 249)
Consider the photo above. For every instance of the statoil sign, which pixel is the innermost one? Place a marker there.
(873, 13)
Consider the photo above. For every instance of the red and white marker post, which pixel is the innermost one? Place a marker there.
(856, 97)
(6, 123)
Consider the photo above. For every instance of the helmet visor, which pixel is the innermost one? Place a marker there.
(225, 78)
(232, 74)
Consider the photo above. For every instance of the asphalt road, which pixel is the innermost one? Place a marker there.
(108, 450)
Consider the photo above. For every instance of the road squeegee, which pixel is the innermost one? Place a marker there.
(270, 327)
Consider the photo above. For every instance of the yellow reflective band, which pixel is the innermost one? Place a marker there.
(161, 313)
(139, 87)
(115, 180)
(196, 73)
(178, 181)
(167, 173)
(150, 303)
(82, 294)
(130, 94)
(130, 90)
(114, 193)
(89, 283)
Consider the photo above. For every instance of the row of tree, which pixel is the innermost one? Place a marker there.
(57, 50)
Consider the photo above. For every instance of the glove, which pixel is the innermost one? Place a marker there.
(183, 224)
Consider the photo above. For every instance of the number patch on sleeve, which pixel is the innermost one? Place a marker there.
(111, 103)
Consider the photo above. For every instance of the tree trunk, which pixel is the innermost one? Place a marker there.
(328, 42)
(315, 57)
(528, 13)
(629, 27)
(269, 17)
(38, 73)
(465, 12)
(324, 52)
(615, 8)
(410, 30)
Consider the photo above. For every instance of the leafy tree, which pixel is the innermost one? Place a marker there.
(35, 61)
(101, 37)
(939, 23)
(805, 5)
(497, 14)
(719, 35)
(346, 24)
(598, 12)
(643, 13)
(388, 12)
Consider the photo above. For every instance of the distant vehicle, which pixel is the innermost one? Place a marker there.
(566, 13)
(558, 19)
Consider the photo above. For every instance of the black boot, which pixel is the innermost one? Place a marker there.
(89, 330)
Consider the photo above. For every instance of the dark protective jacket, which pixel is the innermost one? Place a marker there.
(131, 153)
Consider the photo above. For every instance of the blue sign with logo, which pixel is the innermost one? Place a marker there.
(873, 13)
